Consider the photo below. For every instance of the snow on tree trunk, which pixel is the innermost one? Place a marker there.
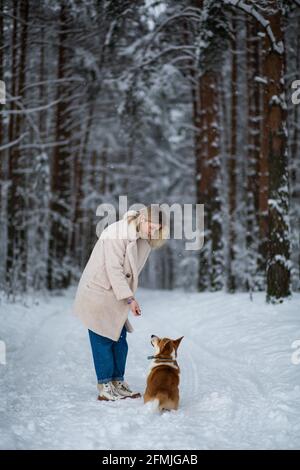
(208, 157)
(275, 146)
(253, 153)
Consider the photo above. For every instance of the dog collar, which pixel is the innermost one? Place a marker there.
(163, 359)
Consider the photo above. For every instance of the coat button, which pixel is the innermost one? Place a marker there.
(128, 275)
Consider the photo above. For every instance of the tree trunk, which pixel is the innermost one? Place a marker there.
(1, 78)
(58, 263)
(254, 140)
(16, 254)
(294, 166)
(201, 179)
(231, 283)
(207, 147)
(275, 135)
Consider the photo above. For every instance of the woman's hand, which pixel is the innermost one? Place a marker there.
(135, 308)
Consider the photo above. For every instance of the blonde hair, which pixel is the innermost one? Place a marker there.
(153, 214)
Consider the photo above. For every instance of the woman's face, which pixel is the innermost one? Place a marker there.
(148, 229)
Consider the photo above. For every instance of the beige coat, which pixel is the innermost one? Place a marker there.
(109, 278)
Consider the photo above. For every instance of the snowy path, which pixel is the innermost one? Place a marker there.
(239, 388)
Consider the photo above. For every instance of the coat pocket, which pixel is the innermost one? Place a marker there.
(92, 284)
(99, 280)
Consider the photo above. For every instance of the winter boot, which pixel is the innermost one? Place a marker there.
(123, 389)
(108, 392)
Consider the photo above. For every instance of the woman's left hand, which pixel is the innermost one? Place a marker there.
(135, 308)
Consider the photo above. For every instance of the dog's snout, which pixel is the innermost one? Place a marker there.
(152, 336)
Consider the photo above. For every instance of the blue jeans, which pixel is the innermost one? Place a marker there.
(109, 356)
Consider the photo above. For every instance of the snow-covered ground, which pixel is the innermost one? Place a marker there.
(239, 387)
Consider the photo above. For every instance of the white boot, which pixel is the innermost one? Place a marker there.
(123, 389)
(108, 392)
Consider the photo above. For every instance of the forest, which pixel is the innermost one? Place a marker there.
(177, 102)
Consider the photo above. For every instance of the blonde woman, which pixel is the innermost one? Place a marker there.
(106, 293)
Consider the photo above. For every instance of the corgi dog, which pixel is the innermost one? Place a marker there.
(163, 378)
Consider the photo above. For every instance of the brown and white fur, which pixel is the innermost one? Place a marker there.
(163, 378)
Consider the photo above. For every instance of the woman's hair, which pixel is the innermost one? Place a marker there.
(156, 215)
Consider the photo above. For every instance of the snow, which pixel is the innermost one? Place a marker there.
(239, 364)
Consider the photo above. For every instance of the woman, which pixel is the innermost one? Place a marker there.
(106, 292)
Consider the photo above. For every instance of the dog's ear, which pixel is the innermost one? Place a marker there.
(177, 342)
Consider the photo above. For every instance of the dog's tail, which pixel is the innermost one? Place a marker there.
(153, 406)
(160, 403)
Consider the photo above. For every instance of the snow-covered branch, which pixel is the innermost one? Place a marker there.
(55, 81)
(187, 49)
(251, 10)
(186, 13)
(30, 110)
(43, 145)
(13, 143)
(24, 110)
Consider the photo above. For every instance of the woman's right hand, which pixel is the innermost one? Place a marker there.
(135, 308)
